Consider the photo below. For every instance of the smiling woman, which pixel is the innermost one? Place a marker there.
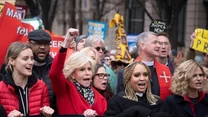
(137, 100)
(21, 93)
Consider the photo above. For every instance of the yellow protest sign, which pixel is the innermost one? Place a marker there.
(201, 41)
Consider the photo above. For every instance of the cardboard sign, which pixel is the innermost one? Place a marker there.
(158, 26)
(201, 41)
(97, 28)
(11, 29)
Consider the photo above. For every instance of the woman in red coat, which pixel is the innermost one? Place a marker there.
(21, 94)
(71, 82)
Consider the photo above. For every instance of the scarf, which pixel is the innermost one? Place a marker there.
(87, 93)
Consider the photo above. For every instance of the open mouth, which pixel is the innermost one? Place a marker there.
(141, 84)
(87, 79)
(29, 68)
(104, 83)
(164, 52)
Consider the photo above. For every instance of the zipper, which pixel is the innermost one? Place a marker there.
(25, 109)
(23, 105)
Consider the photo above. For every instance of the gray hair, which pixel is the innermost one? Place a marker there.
(142, 37)
(92, 39)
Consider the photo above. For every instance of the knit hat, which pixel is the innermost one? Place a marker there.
(39, 35)
(79, 38)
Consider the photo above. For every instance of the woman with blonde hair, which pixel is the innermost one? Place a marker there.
(189, 87)
(71, 82)
(137, 100)
(91, 52)
(21, 92)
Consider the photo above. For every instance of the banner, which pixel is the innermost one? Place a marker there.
(201, 41)
(131, 42)
(55, 45)
(97, 28)
(3, 1)
(11, 29)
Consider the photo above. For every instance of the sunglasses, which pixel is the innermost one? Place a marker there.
(107, 59)
(102, 75)
(100, 48)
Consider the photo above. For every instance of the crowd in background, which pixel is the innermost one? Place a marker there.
(86, 79)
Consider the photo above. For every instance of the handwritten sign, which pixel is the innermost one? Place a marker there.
(158, 26)
(201, 41)
(97, 28)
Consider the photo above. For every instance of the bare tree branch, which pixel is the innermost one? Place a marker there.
(155, 8)
(119, 3)
(145, 10)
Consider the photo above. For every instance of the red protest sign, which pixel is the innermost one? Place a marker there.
(55, 45)
(11, 29)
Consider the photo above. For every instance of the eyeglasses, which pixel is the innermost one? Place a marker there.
(163, 43)
(100, 48)
(40, 43)
(107, 59)
(102, 75)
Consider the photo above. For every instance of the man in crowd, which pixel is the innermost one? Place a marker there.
(39, 40)
(164, 51)
(148, 49)
(96, 42)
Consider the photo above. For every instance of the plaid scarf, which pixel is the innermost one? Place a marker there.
(87, 93)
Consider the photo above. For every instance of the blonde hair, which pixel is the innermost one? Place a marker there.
(75, 61)
(13, 52)
(130, 93)
(87, 49)
(183, 73)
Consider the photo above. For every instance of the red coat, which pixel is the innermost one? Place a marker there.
(69, 100)
(37, 97)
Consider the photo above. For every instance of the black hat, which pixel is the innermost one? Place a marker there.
(39, 35)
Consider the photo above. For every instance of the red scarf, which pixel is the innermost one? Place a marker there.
(164, 77)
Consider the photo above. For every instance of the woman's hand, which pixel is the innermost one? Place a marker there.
(71, 34)
(90, 113)
(15, 113)
(47, 111)
(193, 36)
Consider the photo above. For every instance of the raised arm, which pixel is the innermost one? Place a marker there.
(191, 52)
(56, 75)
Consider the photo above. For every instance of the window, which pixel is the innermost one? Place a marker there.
(135, 16)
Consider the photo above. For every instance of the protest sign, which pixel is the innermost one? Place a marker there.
(158, 26)
(11, 29)
(55, 45)
(201, 41)
(97, 28)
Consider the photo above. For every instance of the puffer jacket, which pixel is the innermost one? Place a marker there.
(37, 95)
(41, 75)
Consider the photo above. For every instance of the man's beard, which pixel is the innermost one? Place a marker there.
(40, 60)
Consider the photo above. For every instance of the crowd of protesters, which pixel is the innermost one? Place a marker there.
(84, 79)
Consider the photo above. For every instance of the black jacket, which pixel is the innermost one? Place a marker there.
(119, 106)
(2, 111)
(42, 72)
(182, 108)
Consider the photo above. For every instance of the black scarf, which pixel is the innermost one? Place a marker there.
(86, 92)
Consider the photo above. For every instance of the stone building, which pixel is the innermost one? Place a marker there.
(193, 15)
